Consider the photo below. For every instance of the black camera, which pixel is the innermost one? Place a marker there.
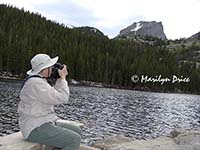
(54, 73)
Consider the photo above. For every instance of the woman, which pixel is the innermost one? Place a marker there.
(37, 119)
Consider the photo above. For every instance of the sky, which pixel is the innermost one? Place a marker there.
(180, 18)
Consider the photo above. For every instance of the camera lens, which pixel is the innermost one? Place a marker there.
(55, 68)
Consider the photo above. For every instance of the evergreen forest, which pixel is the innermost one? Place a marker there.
(92, 56)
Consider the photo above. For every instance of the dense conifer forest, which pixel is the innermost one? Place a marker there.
(92, 56)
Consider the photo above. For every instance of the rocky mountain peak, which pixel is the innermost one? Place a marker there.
(195, 37)
(144, 28)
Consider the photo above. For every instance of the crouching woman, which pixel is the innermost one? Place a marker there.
(37, 119)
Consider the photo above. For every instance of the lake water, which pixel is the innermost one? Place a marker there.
(108, 112)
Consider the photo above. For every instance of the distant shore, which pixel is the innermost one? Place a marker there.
(5, 76)
(9, 76)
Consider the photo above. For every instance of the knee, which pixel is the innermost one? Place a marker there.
(77, 139)
(78, 130)
(73, 142)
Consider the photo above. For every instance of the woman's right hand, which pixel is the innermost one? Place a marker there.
(63, 73)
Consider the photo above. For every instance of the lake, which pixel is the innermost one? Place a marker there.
(110, 112)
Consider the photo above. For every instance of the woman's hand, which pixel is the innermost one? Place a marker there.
(63, 73)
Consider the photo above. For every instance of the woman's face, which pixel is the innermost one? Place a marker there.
(46, 72)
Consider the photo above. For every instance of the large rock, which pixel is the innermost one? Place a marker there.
(194, 38)
(177, 140)
(144, 28)
(16, 141)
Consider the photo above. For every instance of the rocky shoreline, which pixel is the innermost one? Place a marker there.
(181, 139)
(9, 76)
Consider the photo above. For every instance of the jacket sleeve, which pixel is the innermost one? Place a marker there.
(50, 95)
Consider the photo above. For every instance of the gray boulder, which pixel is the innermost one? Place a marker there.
(144, 28)
(177, 140)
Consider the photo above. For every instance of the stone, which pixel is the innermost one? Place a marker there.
(144, 28)
(178, 140)
(16, 141)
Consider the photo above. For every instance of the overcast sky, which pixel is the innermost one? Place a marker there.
(180, 18)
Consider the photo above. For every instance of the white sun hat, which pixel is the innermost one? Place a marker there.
(40, 62)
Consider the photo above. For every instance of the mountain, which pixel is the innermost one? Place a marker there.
(70, 26)
(194, 38)
(144, 28)
(90, 30)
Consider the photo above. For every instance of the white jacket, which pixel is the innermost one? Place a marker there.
(37, 100)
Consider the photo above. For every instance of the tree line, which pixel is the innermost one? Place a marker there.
(90, 56)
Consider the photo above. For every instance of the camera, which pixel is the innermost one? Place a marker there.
(54, 73)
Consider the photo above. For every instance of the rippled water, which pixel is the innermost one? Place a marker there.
(113, 111)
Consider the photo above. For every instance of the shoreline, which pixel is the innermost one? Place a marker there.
(138, 88)
(17, 78)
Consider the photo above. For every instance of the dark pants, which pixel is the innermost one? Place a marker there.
(64, 136)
